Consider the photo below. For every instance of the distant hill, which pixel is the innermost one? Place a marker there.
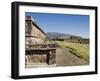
(56, 35)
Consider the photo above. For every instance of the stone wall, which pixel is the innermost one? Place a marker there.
(37, 51)
(41, 56)
(33, 33)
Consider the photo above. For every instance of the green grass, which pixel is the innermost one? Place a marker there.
(80, 50)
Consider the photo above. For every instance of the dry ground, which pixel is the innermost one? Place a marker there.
(65, 58)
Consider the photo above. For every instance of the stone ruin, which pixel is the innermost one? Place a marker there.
(37, 49)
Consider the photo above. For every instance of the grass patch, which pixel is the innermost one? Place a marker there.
(80, 50)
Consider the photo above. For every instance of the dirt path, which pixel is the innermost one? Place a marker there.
(65, 58)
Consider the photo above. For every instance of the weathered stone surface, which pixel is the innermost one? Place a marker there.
(32, 40)
(35, 38)
(35, 58)
(48, 57)
(52, 57)
(33, 33)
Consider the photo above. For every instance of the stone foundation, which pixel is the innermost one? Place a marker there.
(41, 56)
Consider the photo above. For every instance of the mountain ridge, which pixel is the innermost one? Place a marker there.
(57, 35)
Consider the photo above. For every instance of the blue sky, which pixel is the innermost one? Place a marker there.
(63, 23)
